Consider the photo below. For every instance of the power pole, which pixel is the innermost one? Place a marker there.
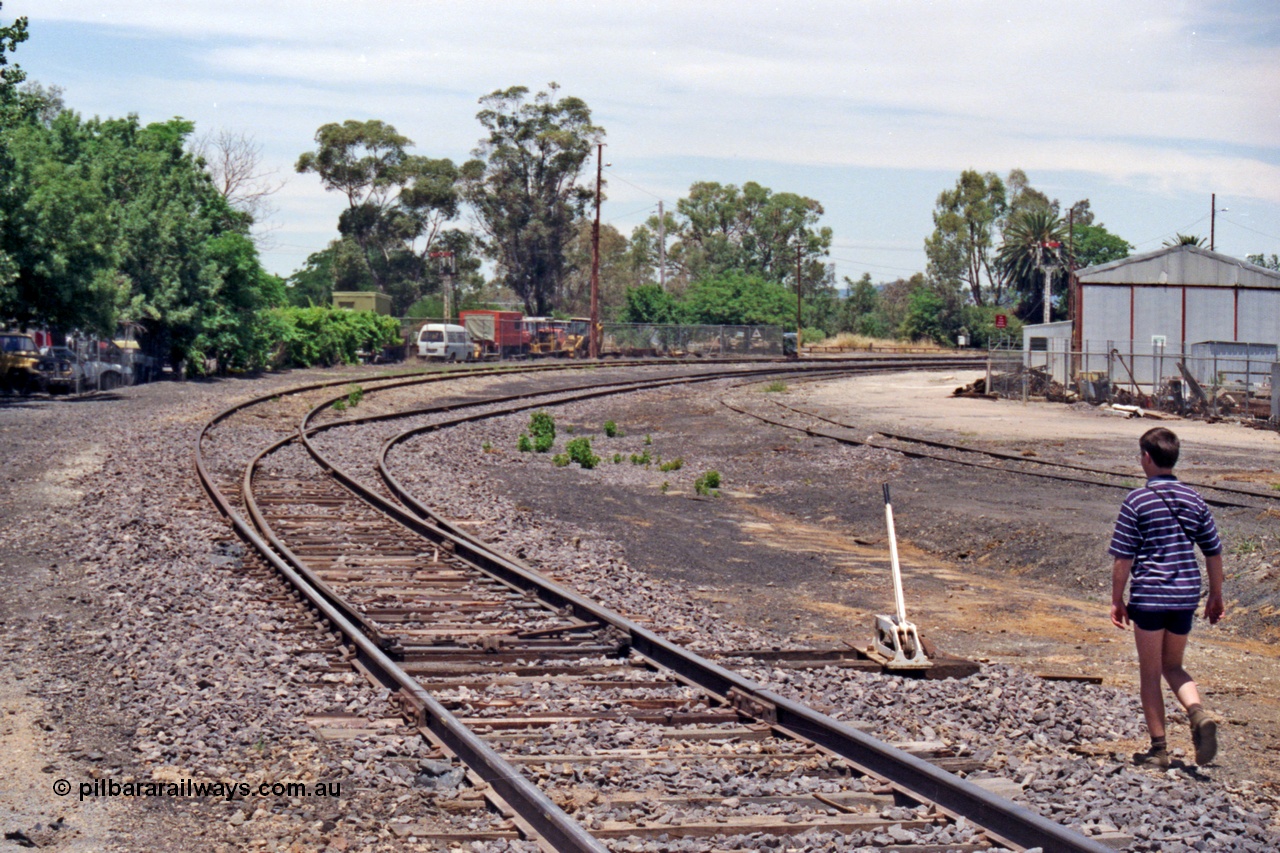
(1213, 216)
(662, 248)
(447, 269)
(593, 345)
(799, 291)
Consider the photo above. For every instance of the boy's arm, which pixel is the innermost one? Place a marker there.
(1120, 577)
(1213, 606)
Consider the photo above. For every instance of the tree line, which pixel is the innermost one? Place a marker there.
(105, 222)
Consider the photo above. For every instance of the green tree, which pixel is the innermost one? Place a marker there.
(720, 227)
(1094, 244)
(966, 222)
(649, 303)
(397, 203)
(1271, 263)
(523, 187)
(738, 298)
(1032, 246)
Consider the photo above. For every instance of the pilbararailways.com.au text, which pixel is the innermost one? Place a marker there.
(193, 788)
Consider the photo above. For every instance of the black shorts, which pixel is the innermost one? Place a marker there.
(1173, 621)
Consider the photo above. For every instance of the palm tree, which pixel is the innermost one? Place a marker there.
(1032, 245)
(1185, 240)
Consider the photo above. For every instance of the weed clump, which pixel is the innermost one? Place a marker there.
(671, 465)
(579, 450)
(777, 386)
(707, 483)
(524, 444)
(611, 429)
(560, 460)
(542, 427)
(641, 458)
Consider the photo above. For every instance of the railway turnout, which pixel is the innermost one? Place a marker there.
(581, 727)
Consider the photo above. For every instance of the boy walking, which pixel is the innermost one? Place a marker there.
(1154, 548)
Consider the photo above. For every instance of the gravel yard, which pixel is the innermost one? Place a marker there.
(141, 645)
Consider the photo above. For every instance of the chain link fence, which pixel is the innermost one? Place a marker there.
(1210, 378)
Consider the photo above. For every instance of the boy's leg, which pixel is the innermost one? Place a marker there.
(1150, 670)
(1204, 731)
(1180, 682)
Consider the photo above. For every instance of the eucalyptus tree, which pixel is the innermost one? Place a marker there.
(722, 228)
(962, 247)
(523, 186)
(398, 203)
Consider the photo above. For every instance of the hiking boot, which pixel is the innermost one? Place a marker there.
(1205, 737)
(1154, 757)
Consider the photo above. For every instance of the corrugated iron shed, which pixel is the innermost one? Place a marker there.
(1181, 265)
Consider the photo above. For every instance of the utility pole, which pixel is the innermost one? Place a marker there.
(799, 292)
(593, 345)
(447, 268)
(662, 248)
(1212, 218)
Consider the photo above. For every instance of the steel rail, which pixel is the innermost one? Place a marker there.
(915, 775)
(998, 454)
(921, 454)
(1003, 819)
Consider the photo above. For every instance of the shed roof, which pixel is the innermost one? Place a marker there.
(1181, 265)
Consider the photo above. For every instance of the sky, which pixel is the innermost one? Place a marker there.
(872, 107)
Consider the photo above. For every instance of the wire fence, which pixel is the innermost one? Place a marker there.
(1210, 378)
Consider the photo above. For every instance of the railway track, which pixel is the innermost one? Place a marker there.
(578, 724)
(993, 460)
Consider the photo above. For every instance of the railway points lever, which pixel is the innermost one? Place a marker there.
(897, 642)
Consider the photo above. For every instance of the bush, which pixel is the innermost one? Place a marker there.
(321, 336)
(579, 451)
(543, 429)
(524, 445)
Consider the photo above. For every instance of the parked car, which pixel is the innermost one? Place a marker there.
(444, 341)
(62, 369)
(19, 364)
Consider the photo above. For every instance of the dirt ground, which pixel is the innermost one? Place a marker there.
(998, 567)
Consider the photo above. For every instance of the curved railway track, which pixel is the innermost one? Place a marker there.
(993, 460)
(551, 701)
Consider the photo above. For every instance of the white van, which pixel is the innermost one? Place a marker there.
(445, 342)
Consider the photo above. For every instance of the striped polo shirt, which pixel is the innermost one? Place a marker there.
(1165, 575)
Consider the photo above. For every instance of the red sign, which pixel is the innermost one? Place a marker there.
(1002, 321)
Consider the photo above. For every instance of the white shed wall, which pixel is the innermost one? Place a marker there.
(1105, 313)
(1156, 311)
(1210, 314)
(1260, 316)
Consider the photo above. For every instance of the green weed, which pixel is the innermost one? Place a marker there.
(707, 483)
(611, 429)
(1245, 546)
(617, 459)
(664, 487)
(355, 396)
(777, 386)
(579, 451)
(671, 465)
(641, 458)
(525, 444)
(648, 440)
(340, 406)
(560, 460)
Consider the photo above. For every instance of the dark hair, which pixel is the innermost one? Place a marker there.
(1161, 445)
